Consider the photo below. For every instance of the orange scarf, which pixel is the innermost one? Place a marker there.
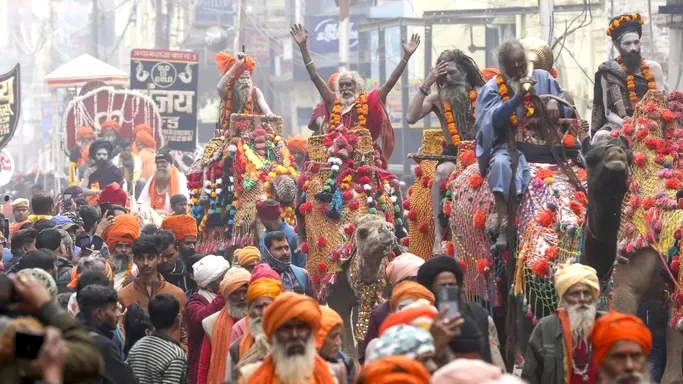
(567, 336)
(219, 348)
(247, 341)
(159, 201)
(266, 372)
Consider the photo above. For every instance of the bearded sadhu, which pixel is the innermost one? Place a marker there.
(236, 88)
(166, 182)
(291, 323)
(103, 172)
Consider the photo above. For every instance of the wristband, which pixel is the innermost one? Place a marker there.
(424, 90)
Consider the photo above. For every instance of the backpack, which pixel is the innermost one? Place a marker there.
(300, 275)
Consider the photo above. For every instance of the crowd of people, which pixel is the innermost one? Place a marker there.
(88, 294)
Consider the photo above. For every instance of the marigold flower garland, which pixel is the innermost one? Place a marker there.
(362, 110)
(624, 19)
(630, 81)
(504, 93)
(227, 109)
(450, 119)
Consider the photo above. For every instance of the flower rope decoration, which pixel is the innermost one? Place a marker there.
(227, 108)
(624, 19)
(450, 120)
(630, 81)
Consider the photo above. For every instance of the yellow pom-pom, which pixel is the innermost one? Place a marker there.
(548, 180)
(272, 174)
(213, 194)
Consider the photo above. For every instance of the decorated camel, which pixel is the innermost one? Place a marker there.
(246, 162)
(348, 213)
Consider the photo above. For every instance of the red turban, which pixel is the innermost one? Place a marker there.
(113, 124)
(409, 290)
(268, 210)
(113, 194)
(615, 326)
(490, 73)
(126, 229)
(182, 226)
(289, 306)
(332, 81)
(146, 139)
(224, 62)
(394, 369)
(407, 316)
(85, 132)
(298, 143)
(329, 320)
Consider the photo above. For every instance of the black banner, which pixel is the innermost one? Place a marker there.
(170, 78)
(10, 104)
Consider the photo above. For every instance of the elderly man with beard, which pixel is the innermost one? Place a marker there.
(251, 346)
(559, 351)
(236, 89)
(621, 343)
(208, 273)
(620, 83)
(457, 79)
(218, 326)
(343, 104)
(166, 182)
(119, 235)
(103, 172)
(290, 323)
(501, 115)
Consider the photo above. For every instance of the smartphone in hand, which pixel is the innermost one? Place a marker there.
(28, 344)
(448, 297)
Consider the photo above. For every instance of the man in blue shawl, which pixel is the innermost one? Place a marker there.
(493, 125)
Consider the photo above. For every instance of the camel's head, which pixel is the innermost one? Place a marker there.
(608, 160)
(374, 239)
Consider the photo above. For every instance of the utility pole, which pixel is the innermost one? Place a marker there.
(239, 33)
(95, 30)
(344, 35)
(545, 10)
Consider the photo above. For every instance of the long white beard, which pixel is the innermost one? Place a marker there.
(240, 96)
(627, 378)
(581, 320)
(346, 100)
(455, 95)
(237, 310)
(256, 326)
(296, 369)
(121, 262)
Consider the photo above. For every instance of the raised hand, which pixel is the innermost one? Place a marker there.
(299, 34)
(436, 72)
(410, 47)
(241, 57)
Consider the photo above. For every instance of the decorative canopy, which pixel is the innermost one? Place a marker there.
(85, 68)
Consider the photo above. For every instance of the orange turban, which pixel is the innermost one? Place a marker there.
(126, 229)
(263, 287)
(553, 72)
(247, 254)
(288, 306)
(143, 128)
(407, 316)
(298, 143)
(234, 278)
(409, 290)
(146, 139)
(614, 327)
(332, 81)
(113, 124)
(85, 132)
(490, 73)
(75, 275)
(393, 369)
(182, 226)
(329, 320)
(224, 62)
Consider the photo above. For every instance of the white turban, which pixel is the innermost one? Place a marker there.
(569, 274)
(208, 269)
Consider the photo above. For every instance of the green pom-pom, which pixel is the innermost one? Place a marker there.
(372, 211)
(327, 188)
(383, 207)
(525, 308)
(397, 209)
(673, 251)
(449, 194)
(399, 221)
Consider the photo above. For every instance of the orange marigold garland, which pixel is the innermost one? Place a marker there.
(227, 109)
(630, 81)
(362, 111)
(473, 101)
(624, 19)
(450, 120)
(505, 95)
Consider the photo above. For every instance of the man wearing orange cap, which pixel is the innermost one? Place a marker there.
(457, 80)
(251, 346)
(166, 182)
(110, 131)
(84, 137)
(319, 122)
(298, 147)
(236, 89)
(123, 230)
(328, 341)
(621, 344)
(290, 323)
(184, 227)
(408, 292)
(394, 369)
(146, 147)
(217, 327)
(248, 257)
